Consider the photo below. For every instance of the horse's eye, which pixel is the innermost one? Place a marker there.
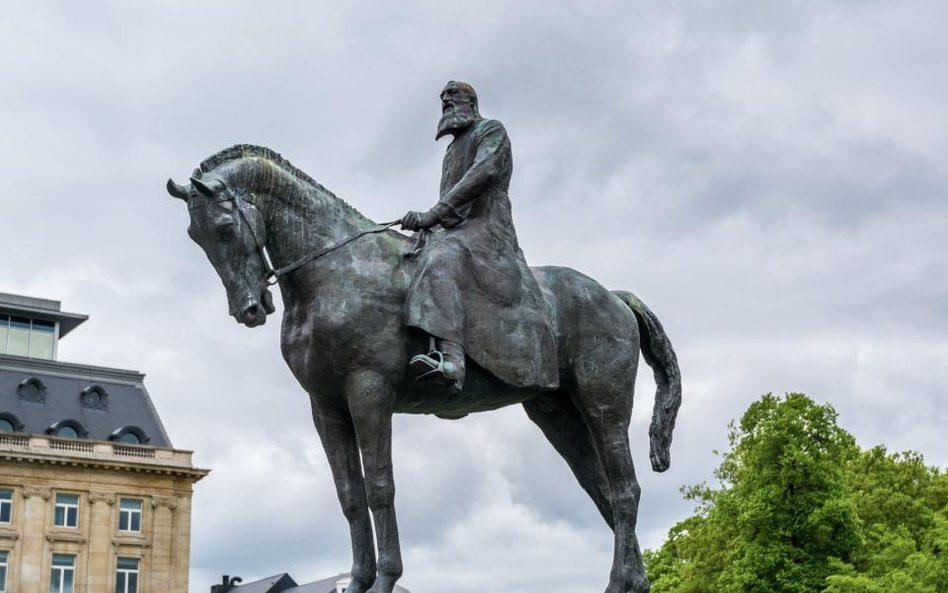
(225, 230)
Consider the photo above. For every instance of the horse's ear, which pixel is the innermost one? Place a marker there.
(178, 191)
(210, 188)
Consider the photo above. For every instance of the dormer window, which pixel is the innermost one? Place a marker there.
(67, 432)
(94, 397)
(132, 435)
(10, 423)
(32, 390)
(67, 429)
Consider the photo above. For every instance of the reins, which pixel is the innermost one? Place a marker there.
(273, 276)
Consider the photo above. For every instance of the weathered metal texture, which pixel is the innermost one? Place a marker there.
(345, 339)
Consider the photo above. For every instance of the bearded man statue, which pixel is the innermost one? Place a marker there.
(472, 291)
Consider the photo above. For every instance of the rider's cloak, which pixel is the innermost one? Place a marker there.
(472, 284)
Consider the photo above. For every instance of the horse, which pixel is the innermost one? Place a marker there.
(344, 280)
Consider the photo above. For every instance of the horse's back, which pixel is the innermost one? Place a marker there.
(586, 316)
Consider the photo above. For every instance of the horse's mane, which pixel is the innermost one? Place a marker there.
(239, 151)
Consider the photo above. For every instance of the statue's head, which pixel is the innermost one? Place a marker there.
(458, 108)
(230, 229)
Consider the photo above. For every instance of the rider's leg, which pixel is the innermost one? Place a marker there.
(443, 364)
(453, 356)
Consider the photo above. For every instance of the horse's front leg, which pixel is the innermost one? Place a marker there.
(338, 436)
(371, 403)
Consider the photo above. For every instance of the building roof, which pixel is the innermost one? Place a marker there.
(323, 586)
(103, 401)
(283, 583)
(274, 584)
(45, 309)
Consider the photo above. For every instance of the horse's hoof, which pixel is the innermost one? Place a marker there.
(356, 587)
(638, 584)
(382, 585)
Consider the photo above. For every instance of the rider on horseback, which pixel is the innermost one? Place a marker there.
(472, 289)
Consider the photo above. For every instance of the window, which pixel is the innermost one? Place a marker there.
(3, 570)
(67, 432)
(23, 336)
(6, 507)
(10, 423)
(18, 340)
(132, 435)
(63, 573)
(32, 390)
(67, 510)
(42, 339)
(126, 575)
(68, 429)
(130, 514)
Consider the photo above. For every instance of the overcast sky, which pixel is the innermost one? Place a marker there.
(769, 177)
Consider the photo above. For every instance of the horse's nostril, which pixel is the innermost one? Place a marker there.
(252, 311)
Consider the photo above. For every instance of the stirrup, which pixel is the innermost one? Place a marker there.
(430, 368)
(427, 367)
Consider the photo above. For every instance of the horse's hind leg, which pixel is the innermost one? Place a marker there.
(339, 441)
(562, 425)
(603, 396)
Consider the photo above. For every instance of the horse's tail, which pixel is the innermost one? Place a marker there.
(658, 353)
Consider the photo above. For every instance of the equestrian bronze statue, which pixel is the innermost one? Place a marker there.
(448, 322)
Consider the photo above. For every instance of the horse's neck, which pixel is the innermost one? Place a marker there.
(302, 219)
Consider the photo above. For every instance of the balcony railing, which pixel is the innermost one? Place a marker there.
(71, 446)
(132, 451)
(14, 440)
(102, 450)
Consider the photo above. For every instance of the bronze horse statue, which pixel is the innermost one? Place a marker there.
(344, 279)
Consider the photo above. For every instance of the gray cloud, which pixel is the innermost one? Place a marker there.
(768, 177)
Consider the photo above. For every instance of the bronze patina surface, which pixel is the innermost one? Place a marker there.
(356, 310)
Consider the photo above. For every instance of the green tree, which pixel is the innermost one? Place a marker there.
(781, 513)
(903, 505)
(800, 509)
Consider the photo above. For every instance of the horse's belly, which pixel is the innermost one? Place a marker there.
(482, 393)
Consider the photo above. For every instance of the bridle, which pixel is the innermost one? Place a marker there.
(272, 276)
(238, 206)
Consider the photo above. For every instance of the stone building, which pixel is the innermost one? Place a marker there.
(93, 497)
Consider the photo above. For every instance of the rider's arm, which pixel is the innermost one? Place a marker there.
(492, 148)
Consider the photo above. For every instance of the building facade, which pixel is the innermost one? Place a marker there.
(93, 497)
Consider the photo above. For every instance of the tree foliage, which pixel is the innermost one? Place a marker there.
(801, 509)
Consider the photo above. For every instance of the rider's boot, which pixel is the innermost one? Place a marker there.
(444, 365)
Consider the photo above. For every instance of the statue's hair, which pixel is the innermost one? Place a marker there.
(240, 151)
(467, 89)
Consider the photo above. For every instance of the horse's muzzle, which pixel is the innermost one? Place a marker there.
(254, 312)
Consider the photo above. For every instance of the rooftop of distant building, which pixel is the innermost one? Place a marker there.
(284, 583)
(41, 395)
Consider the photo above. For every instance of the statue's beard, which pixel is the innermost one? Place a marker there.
(455, 120)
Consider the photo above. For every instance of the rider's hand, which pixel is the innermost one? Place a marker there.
(415, 221)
